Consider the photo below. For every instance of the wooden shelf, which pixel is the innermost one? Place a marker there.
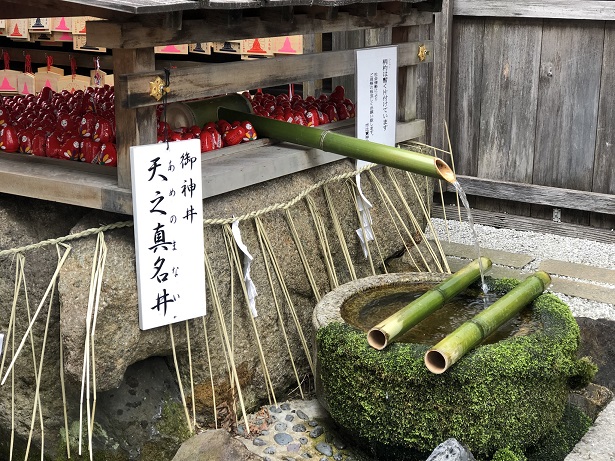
(224, 170)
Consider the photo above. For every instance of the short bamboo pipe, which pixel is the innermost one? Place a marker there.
(348, 146)
(401, 321)
(471, 333)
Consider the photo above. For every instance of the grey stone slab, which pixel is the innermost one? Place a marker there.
(583, 290)
(580, 271)
(599, 441)
(496, 271)
(504, 258)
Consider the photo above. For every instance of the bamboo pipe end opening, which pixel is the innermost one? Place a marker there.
(436, 362)
(445, 171)
(377, 339)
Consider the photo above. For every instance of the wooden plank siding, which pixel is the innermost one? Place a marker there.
(532, 102)
(604, 161)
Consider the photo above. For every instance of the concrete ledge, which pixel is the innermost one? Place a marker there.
(503, 258)
(583, 290)
(579, 271)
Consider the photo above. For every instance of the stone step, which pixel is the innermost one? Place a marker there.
(503, 258)
(579, 271)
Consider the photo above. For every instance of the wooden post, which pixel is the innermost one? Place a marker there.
(312, 43)
(406, 78)
(441, 74)
(134, 126)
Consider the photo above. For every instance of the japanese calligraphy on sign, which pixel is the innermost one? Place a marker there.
(168, 215)
(376, 102)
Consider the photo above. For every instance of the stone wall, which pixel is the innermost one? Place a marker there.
(139, 411)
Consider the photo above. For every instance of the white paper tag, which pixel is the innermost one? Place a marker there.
(1, 342)
(247, 262)
(365, 233)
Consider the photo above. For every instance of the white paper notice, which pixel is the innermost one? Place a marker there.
(167, 203)
(247, 263)
(376, 83)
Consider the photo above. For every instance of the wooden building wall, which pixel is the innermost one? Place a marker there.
(532, 100)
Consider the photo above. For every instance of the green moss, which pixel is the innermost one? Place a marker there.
(558, 442)
(506, 454)
(173, 422)
(499, 396)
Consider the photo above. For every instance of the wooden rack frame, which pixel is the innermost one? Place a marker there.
(134, 66)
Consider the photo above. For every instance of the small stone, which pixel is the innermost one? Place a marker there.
(267, 458)
(324, 448)
(274, 409)
(306, 455)
(299, 428)
(317, 432)
(303, 440)
(285, 406)
(265, 432)
(451, 450)
(324, 459)
(293, 447)
(302, 415)
(337, 443)
(259, 442)
(241, 430)
(269, 451)
(313, 423)
(289, 417)
(282, 438)
(280, 427)
(338, 457)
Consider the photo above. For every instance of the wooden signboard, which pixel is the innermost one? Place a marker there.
(17, 29)
(200, 48)
(8, 81)
(171, 49)
(168, 224)
(289, 44)
(257, 47)
(40, 25)
(47, 77)
(230, 47)
(80, 43)
(73, 83)
(26, 83)
(62, 24)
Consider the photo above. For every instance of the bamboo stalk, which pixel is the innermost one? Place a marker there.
(454, 346)
(410, 315)
(344, 145)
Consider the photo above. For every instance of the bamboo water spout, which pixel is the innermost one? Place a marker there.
(397, 324)
(345, 145)
(454, 346)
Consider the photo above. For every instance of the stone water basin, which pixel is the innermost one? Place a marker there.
(506, 393)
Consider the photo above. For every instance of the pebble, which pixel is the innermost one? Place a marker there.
(324, 448)
(299, 428)
(282, 438)
(313, 423)
(338, 457)
(303, 440)
(289, 417)
(302, 415)
(293, 447)
(274, 409)
(317, 432)
(269, 450)
(280, 427)
(259, 442)
(285, 406)
(337, 443)
(306, 455)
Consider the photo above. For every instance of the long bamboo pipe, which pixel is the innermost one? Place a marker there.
(454, 346)
(401, 321)
(348, 146)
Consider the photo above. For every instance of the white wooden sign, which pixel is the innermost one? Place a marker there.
(376, 104)
(168, 218)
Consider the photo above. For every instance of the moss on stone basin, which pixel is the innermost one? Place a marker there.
(507, 394)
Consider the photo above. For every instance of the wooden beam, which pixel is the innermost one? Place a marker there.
(553, 9)
(15, 9)
(134, 127)
(213, 79)
(134, 35)
(442, 74)
(541, 195)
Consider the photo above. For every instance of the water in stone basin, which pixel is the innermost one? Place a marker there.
(366, 309)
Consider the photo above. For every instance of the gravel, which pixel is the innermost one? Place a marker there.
(541, 246)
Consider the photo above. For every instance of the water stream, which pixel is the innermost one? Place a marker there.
(464, 200)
